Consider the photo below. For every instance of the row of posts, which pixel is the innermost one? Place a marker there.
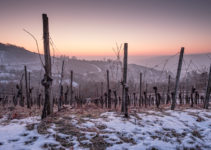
(47, 80)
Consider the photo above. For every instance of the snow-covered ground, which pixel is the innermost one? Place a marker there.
(14, 135)
(185, 129)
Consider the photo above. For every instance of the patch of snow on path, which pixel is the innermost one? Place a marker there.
(15, 135)
(170, 130)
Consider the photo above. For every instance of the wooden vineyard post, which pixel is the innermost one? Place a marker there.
(156, 96)
(177, 79)
(124, 103)
(30, 91)
(101, 88)
(140, 89)
(163, 95)
(115, 99)
(191, 97)
(168, 90)
(20, 92)
(61, 88)
(66, 95)
(134, 99)
(97, 90)
(207, 97)
(146, 99)
(27, 88)
(101, 95)
(109, 98)
(186, 91)
(108, 87)
(71, 87)
(105, 101)
(47, 80)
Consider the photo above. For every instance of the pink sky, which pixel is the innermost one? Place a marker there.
(91, 27)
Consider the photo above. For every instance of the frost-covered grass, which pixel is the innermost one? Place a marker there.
(184, 129)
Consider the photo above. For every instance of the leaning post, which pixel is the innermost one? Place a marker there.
(177, 79)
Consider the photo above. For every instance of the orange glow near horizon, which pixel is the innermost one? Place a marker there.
(107, 51)
(93, 28)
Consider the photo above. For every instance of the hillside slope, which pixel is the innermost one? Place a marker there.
(14, 58)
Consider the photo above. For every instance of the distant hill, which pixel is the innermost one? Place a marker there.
(14, 58)
(15, 54)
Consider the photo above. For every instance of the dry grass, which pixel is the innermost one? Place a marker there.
(19, 112)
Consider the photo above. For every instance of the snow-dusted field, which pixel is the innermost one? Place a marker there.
(185, 129)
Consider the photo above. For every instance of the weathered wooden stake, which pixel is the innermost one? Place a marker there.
(96, 90)
(177, 79)
(168, 90)
(108, 86)
(140, 89)
(206, 104)
(66, 95)
(20, 92)
(30, 91)
(126, 101)
(47, 80)
(109, 98)
(115, 99)
(156, 96)
(146, 98)
(124, 104)
(134, 99)
(61, 88)
(71, 87)
(101, 88)
(27, 89)
(191, 97)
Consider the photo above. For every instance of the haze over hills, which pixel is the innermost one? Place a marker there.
(155, 68)
(199, 62)
(14, 57)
